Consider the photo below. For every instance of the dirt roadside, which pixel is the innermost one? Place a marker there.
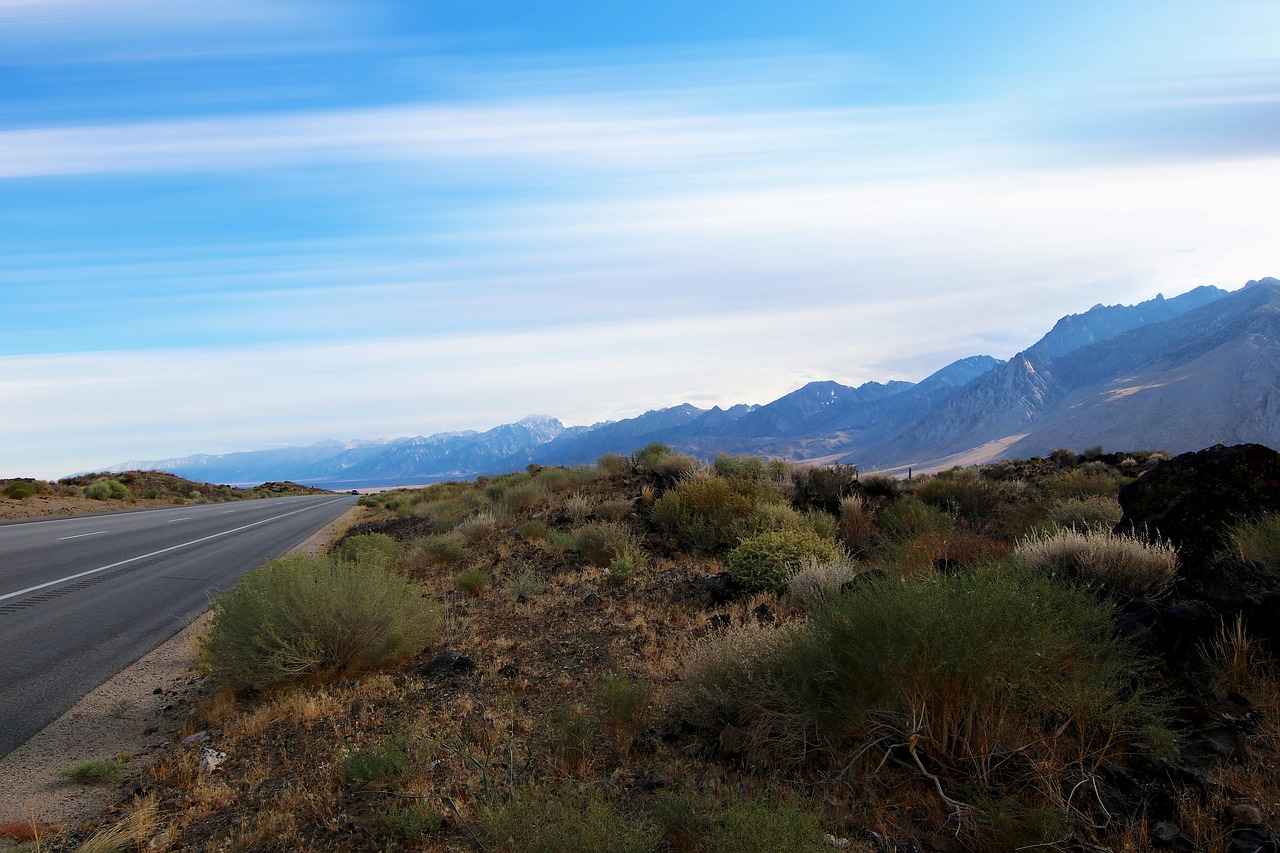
(135, 713)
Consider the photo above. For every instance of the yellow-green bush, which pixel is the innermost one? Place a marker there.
(703, 513)
(315, 617)
(767, 560)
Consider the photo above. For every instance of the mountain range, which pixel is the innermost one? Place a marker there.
(1171, 374)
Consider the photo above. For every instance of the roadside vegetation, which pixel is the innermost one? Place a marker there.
(134, 488)
(656, 653)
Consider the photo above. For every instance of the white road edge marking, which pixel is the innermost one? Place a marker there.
(81, 535)
(184, 518)
(47, 584)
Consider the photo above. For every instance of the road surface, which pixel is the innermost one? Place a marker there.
(82, 598)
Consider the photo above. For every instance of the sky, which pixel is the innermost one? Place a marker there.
(241, 224)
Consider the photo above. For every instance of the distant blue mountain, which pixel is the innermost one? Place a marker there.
(1173, 374)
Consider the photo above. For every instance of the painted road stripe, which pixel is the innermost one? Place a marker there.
(48, 584)
(81, 535)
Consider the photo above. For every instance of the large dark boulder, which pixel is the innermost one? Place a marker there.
(1192, 499)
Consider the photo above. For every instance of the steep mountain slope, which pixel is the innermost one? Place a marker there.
(1102, 322)
(1206, 375)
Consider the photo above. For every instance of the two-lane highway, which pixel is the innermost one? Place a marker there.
(81, 598)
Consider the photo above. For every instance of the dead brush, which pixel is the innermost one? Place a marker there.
(624, 704)
(1233, 656)
(1121, 564)
(135, 831)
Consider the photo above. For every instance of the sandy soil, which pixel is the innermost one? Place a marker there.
(52, 506)
(135, 714)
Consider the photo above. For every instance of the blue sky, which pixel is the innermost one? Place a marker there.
(240, 224)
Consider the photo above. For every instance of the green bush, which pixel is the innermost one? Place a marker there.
(438, 549)
(315, 617)
(376, 548)
(974, 671)
(107, 490)
(741, 467)
(613, 465)
(758, 825)
(472, 582)
(768, 559)
(1121, 564)
(19, 491)
(536, 821)
(103, 771)
(909, 518)
(662, 466)
(414, 823)
(979, 666)
(387, 762)
(702, 513)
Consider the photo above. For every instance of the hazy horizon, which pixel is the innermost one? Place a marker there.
(258, 223)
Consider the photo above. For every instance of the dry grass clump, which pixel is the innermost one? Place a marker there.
(817, 582)
(1121, 564)
(1234, 656)
(315, 617)
(1090, 512)
(477, 528)
(1258, 541)
(601, 542)
(135, 832)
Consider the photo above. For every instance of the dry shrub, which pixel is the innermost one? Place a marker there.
(600, 542)
(614, 510)
(1235, 658)
(624, 703)
(857, 523)
(315, 617)
(578, 507)
(1085, 513)
(821, 486)
(1121, 564)
(134, 832)
(731, 689)
(817, 582)
(477, 528)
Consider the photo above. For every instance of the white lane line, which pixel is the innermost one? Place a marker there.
(184, 518)
(81, 535)
(47, 584)
(226, 512)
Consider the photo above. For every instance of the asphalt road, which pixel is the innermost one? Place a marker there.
(82, 598)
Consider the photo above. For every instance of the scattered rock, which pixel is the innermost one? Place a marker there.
(450, 660)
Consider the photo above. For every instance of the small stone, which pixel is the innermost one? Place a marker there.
(592, 599)
(1165, 832)
(198, 737)
(211, 759)
(1245, 814)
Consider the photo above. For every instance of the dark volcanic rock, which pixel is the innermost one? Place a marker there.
(1193, 499)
